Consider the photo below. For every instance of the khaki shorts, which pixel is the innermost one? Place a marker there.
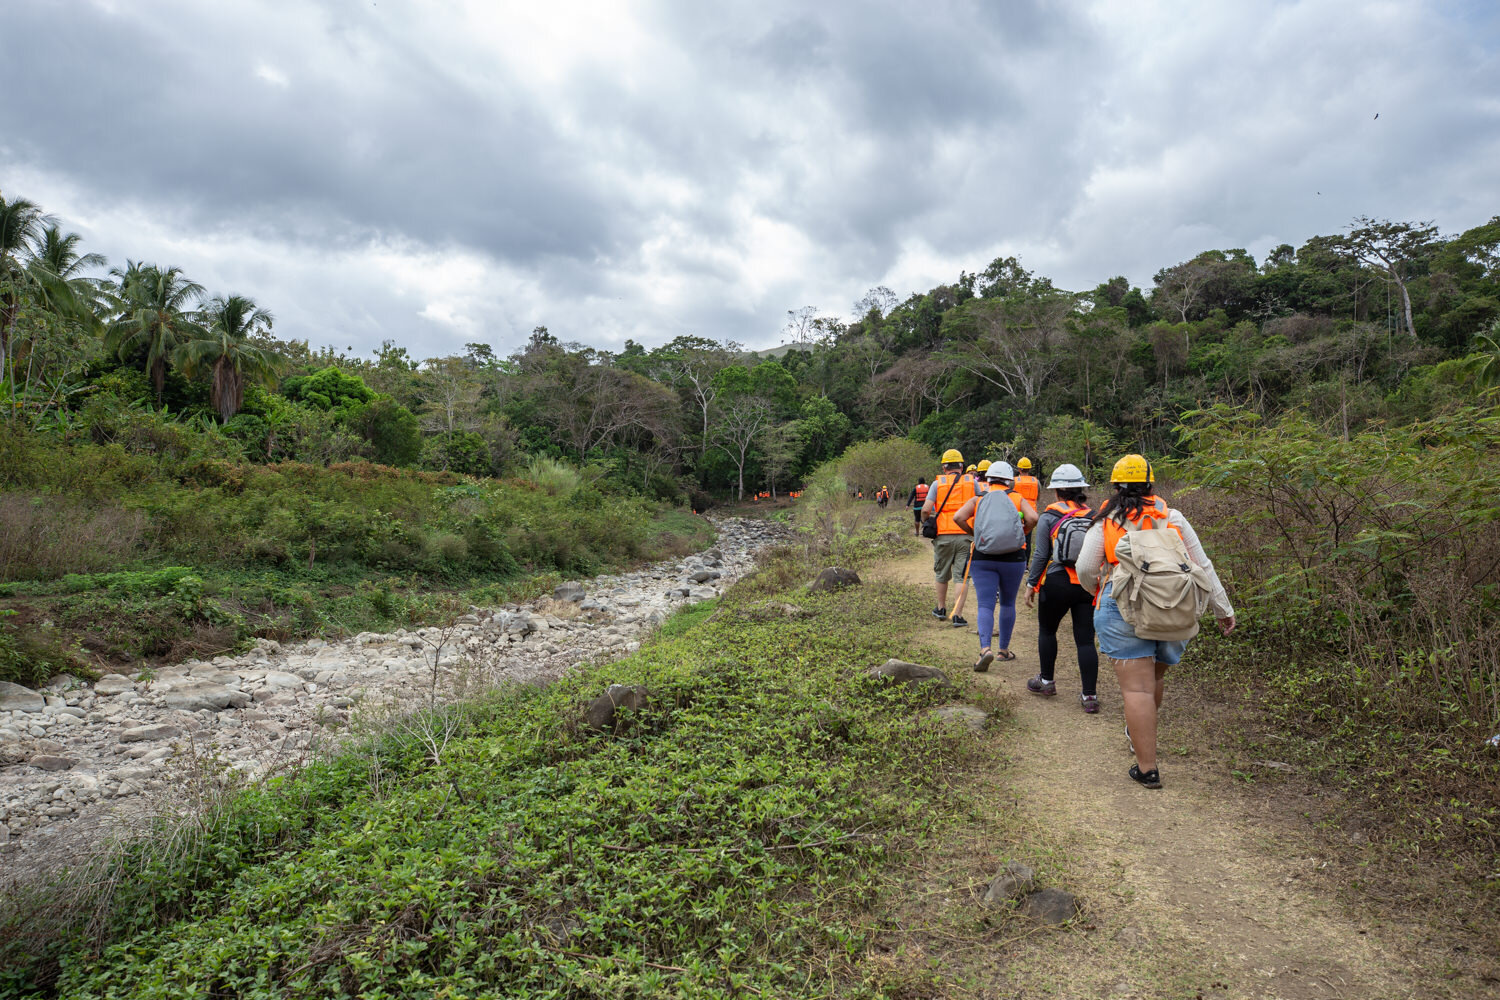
(950, 557)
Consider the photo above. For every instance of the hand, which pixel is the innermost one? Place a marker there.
(1226, 625)
(1030, 598)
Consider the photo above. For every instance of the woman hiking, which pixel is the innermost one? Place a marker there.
(999, 519)
(1053, 580)
(1134, 531)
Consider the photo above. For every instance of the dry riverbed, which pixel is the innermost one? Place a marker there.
(80, 763)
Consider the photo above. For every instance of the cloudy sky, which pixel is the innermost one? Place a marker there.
(446, 171)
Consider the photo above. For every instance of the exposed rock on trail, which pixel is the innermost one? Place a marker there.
(76, 760)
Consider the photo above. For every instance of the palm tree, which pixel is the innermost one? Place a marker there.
(1484, 363)
(153, 316)
(224, 350)
(59, 269)
(21, 224)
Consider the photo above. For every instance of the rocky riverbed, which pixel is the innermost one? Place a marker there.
(80, 762)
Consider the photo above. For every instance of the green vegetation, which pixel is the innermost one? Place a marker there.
(725, 839)
(1366, 572)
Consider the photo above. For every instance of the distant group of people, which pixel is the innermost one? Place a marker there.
(1130, 573)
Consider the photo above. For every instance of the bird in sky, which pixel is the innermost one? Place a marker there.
(1377, 117)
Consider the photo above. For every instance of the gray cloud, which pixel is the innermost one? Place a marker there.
(437, 174)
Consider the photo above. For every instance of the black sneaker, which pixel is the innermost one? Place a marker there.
(1150, 779)
(959, 621)
(940, 613)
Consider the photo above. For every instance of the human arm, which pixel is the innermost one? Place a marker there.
(1218, 599)
(1091, 558)
(1028, 515)
(964, 516)
(1041, 549)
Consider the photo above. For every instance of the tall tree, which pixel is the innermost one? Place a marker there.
(1393, 247)
(742, 421)
(225, 352)
(154, 316)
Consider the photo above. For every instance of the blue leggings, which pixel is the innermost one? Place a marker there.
(992, 579)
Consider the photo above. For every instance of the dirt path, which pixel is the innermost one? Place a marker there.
(1192, 891)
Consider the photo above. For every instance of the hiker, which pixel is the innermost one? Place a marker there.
(1053, 579)
(918, 498)
(1133, 532)
(950, 545)
(981, 471)
(1026, 484)
(999, 520)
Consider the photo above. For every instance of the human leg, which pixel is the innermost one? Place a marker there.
(1138, 687)
(1049, 614)
(1010, 585)
(1082, 610)
(986, 583)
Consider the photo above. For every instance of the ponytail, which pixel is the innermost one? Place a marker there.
(1127, 503)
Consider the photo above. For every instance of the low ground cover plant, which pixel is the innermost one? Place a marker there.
(720, 840)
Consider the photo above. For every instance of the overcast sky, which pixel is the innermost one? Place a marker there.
(445, 171)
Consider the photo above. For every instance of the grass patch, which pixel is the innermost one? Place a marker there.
(725, 839)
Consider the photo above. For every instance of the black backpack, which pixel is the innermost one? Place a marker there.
(1067, 536)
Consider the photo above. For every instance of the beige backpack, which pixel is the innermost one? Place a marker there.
(1160, 591)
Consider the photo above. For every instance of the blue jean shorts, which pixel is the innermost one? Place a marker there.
(1118, 640)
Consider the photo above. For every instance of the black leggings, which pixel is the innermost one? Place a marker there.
(1058, 596)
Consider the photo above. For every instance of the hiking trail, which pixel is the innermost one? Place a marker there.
(1202, 889)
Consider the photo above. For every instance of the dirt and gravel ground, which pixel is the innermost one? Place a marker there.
(1206, 888)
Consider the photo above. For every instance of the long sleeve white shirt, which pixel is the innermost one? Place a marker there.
(1091, 562)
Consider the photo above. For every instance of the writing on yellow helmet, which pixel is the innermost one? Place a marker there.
(953, 455)
(1133, 469)
(1024, 463)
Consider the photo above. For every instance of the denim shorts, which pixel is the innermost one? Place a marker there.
(1118, 640)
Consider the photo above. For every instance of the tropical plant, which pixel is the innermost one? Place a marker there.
(226, 354)
(154, 316)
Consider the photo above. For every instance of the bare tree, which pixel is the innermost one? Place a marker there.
(452, 391)
(1178, 287)
(741, 423)
(799, 324)
(1393, 247)
(1016, 337)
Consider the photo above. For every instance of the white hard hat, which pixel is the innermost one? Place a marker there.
(1000, 470)
(1067, 477)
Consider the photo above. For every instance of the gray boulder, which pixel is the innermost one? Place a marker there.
(197, 695)
(1051, 906)
(139, 734)
(113, 684)
(570, 591)
(961, 715)
(1014, 881)
(47, 762)
(600, 713)
(834, 578)
(901, 672)
(704, 575)
(15, 698)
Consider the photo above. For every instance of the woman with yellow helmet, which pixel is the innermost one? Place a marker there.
(1135, 515)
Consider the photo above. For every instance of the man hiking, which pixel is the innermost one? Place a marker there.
(950, 547)
(1027, 485)
(918, 498)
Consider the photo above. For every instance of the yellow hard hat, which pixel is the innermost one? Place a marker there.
(1132, 469)
(984, 465)
(953, 455)
(1024, 463)
(970, 468)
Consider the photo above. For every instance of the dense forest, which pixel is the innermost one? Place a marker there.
(1347, 329)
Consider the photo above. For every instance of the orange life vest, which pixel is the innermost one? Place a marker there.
(1029, 487)
(1145, 520)
(1065, 507)
(919, 494)
(947, 504)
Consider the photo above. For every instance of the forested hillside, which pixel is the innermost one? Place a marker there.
(1346, 328)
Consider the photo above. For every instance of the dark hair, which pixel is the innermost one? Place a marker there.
(1129, 500)
(1075, 494)
(922, 481)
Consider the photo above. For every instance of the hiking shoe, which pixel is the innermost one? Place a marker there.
(959, 621)
(1148, 779)
(940, 613)
(983, 663)
(1043, 687)
(1090, 703)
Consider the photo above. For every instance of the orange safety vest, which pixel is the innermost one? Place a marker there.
(1064, 507)
(945, 510)
(1145, 520)
(1029, 487)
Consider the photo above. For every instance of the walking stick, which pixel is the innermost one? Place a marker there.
(963, 587)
